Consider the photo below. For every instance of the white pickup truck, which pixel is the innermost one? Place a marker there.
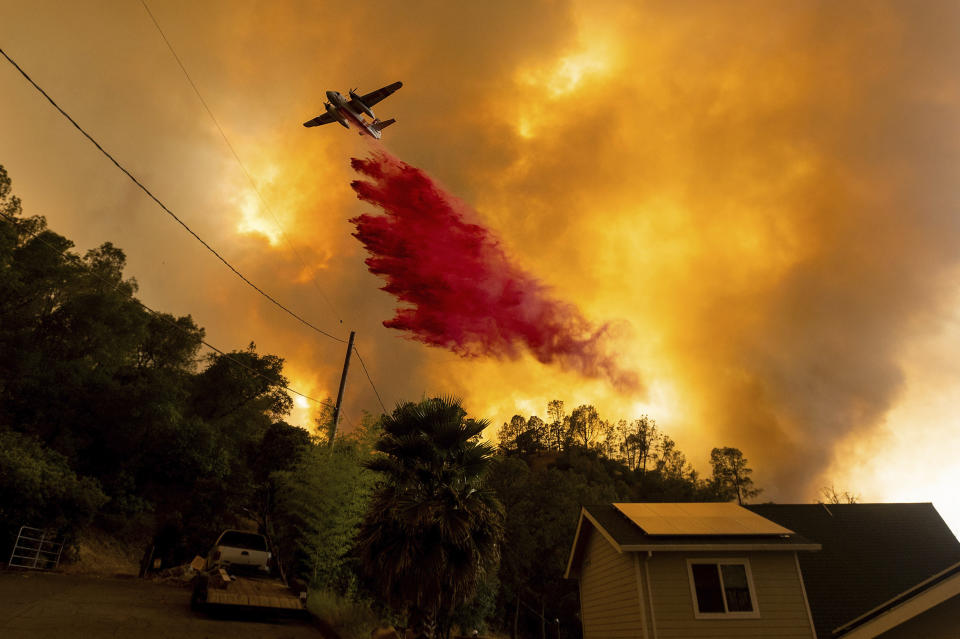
(240, 550)
(237, 574)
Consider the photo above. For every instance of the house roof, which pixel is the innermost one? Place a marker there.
(872, 553)
(626, 536)
(698, 518)
(905, 606)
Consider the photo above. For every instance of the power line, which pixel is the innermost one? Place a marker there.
(364, 367)
(234, 360)
(349, 421)
(185, 226)
(243, 167)
(253, 185)
(163, 317)
(164, 207)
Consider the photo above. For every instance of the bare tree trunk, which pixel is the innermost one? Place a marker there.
(516, 618)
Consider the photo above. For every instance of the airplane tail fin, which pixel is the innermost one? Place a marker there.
(380, 126)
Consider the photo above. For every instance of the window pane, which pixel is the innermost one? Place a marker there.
(736, 588)
(706, 581)
(237, 539)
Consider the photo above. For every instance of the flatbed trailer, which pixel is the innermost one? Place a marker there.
(218, 588)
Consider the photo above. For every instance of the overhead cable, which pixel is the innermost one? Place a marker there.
(185, 226)
(250, 179)
(243, 167)
(164, 207)
(162, 316)
(364, 367)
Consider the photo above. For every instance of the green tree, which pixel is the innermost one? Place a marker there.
(433, 528)
(534, 437)
(39, 489)
(731, 475)
(509, 432)
(241, 385)
(670, 462)
(110, 399)
(639, 443)
(87, 370)
(541, 507)
(557, 427)
(320, 503)
(523, 436)
(474, 613)
(585, 426)
(233, 404)
(280, 449)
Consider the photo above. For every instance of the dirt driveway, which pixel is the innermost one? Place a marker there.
(43, 605)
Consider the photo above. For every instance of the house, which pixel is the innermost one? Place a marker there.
(688, 570)
(890, 570)
(929, 609)
(845, 571)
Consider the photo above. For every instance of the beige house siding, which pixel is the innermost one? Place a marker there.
(777, 585)
(609, 601)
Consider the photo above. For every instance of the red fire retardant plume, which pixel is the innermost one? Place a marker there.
(463, 291)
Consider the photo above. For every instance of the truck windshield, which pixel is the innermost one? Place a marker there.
(237, 539)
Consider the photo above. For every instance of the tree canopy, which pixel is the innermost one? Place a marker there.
(109, 410)
(433, 528)
(110, 413)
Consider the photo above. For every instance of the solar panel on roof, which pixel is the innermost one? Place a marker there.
(706, 519)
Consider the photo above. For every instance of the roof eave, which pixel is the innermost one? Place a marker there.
(905, 606)
(576, 540)
(718, 547)
(584, 513)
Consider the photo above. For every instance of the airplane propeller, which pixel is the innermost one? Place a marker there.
(358, 102)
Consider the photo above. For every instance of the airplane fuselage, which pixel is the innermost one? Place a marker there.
(343, 110)
(342, 106)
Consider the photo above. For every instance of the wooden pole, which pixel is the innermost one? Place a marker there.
(343, 382)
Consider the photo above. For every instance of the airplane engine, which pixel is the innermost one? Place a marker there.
(363, 107)
(336, 115)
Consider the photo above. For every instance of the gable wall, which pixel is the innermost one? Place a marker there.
(609, 601)
(777, 585)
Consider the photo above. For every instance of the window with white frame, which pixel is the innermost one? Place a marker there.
(722, 588)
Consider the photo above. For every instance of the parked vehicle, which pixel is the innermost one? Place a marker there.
(240, 550)
(237, 574)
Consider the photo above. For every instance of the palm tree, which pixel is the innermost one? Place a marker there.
(433, 529)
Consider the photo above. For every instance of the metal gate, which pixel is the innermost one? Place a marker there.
(36, 548)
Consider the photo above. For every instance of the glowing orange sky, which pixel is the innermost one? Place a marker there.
(764, 192)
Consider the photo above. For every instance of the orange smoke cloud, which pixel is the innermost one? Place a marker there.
(764, 190)
(463, 291)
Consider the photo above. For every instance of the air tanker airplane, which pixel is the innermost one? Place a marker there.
(340, 109)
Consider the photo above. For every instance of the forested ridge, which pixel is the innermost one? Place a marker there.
(112, 416)
(108, 410)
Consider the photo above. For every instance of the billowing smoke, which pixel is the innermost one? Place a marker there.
(767, 191)
(463, 291)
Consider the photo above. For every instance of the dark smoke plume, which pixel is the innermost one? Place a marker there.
(462, 290)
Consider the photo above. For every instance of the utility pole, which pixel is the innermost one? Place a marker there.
(343, 381)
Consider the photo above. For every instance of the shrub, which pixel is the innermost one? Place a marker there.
(349, 618)
(38, 488)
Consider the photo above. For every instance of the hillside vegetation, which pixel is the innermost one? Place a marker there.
(114, 417)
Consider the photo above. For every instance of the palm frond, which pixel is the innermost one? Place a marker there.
(432, 529)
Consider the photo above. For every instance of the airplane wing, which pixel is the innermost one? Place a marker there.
(326, 118)
(376, 96)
